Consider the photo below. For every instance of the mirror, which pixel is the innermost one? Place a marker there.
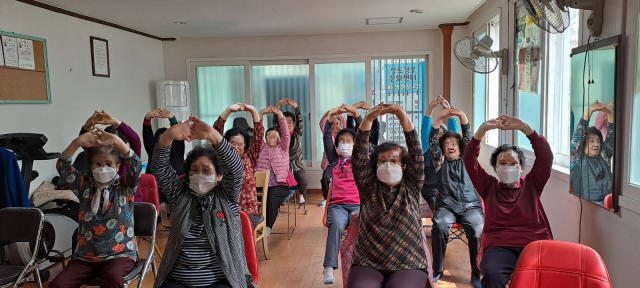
(594, 90)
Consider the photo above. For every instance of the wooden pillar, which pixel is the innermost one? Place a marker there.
(447, 30)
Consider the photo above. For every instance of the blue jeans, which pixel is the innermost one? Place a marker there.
(338, 218)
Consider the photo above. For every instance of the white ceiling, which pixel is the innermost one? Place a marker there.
(267, 17)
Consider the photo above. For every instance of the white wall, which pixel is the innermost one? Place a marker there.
(176, 53)
(136, 63)
(614, 236)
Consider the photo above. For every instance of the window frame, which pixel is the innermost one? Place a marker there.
(248, 62)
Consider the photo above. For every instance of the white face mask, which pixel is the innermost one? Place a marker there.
(389, 173)
(508, 174)
(104, 174)
(202, 184)
(345, 150)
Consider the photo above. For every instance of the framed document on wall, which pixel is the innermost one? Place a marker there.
(100, 57)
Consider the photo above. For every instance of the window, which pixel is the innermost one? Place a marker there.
(530, 49)
(399, 81)
(559, 89)
(270, 83)
(486, 87)
(634, 162)
(218, 87)
(337, 83)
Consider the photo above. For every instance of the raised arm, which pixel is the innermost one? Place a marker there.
(148, 139)
(327, 140)
(464, 121)
(168, 180)
(285, 138)
(255, 147)
(414, 170)
(74, 179)
(299, 125)
(576, 138)
(475, 171)
(131, 136)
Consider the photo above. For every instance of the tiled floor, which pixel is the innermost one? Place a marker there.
(298, 262)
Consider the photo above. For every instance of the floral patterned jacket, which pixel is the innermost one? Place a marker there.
(108, 234)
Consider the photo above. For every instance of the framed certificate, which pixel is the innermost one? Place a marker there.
(100, 57)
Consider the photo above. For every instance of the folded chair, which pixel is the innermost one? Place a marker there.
(19, 224)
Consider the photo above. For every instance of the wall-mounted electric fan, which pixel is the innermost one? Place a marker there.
(553, 15)
(477, 56)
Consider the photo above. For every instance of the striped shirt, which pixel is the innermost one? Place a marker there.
(217, 221)
(197, 265)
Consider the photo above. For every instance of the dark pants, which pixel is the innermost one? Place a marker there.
(255, 220)
(79, 271)
(430, 186)
(443, 219)
(170, 283)
(301, 178)
(326, 181)
(275, 196)
(338, 218)
(497, 265)
(365, 277)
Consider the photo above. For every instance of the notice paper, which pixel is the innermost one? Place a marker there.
(10, 47)
(25, 54)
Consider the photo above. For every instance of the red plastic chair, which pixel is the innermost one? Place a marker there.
(250, 249)
(608, 202)
(558, 264)
(149, 189)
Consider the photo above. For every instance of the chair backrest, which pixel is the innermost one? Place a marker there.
(145, 218)
(549, 263)
(608, 202)
(149, 189)
(262, 181)
(250, 249)
(19, 224)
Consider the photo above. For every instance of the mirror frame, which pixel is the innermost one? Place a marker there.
(618, 78)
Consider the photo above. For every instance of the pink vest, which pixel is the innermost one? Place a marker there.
(344, 190)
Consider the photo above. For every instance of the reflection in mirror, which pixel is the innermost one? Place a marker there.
(593, 97)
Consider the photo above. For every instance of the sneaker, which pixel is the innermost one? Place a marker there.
(436, 276)
(475, 280)
(322, 203)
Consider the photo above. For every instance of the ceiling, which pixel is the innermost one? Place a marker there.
(207, 18)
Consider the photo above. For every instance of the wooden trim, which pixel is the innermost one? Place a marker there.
(90, 19)
(93, 62)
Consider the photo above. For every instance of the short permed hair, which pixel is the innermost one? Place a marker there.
(385, 147)
(208, 152)
(235, 132)
(450, 134)
(342, 132)
(506, 147)
(109, 150)
(590, 131)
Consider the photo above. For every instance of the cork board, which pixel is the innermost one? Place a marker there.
(23, 85)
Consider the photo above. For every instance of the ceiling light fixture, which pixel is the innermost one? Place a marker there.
(418, 11)
(180, 22)
(384, 20)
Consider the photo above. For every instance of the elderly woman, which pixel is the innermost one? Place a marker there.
(205, 247)
(591, 156)
(389, 250)
(514, 215)
(249, 151)
(275, 158)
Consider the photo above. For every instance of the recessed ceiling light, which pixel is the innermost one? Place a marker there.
(416, 11)
(180, 22)
(384, 20)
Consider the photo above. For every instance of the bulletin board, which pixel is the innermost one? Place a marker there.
(25, 79)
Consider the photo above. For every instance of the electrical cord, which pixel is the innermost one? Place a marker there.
(585, 95)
